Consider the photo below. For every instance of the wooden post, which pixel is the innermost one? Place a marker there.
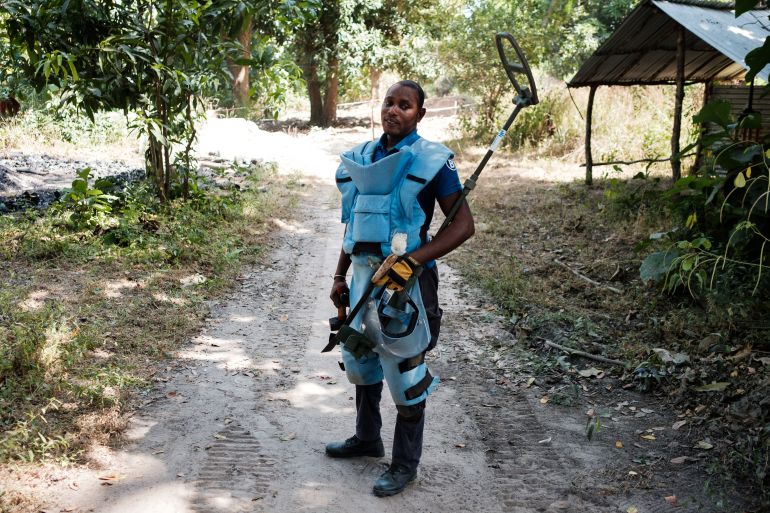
(699, 148)
(589, 116)
(676, 164)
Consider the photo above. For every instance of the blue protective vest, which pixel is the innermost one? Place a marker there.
(380, 199)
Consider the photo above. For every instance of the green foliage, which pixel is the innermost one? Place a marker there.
(742, 6)
(155, 59)
(343, 47)
(50, 377)
(723, 209)
(467, 53)
(556, 38)
(84, 207)
(656, 266)
(573, 29)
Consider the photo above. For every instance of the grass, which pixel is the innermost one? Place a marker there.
(36, 130)
(629, 123)
(87, 312)
(14, 502)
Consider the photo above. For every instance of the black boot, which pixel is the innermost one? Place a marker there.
(394, 480)
(354, 447)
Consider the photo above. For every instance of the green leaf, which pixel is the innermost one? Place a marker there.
(751, 121)
(655, 267)
(713, 387)
(757, 59)
(73, 70)
(80, 186)
(742, 6)
(717, 112)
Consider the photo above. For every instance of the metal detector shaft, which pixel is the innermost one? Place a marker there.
(470, 183)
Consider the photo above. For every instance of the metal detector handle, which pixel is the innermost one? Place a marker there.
(528, 94)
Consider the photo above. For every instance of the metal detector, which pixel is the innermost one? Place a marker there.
(525, 97)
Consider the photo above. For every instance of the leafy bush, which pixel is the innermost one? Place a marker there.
(87, 208)
(724, 211)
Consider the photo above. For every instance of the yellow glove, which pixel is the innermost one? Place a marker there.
(395, 273)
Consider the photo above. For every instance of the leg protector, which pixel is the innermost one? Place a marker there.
(410, 387)
(362, 371)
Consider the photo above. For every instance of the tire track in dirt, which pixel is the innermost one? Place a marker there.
(235, 469)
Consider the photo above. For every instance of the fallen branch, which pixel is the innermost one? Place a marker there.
(577, 352)
(586, 278)
(629, 162)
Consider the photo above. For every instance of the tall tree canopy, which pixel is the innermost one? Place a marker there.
(157, 59)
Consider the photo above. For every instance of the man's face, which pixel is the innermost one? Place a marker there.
(400, 112)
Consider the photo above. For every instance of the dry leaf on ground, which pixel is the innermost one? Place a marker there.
(678, 424)
(712, 387)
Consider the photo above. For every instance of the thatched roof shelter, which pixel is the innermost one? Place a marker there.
(674, 42)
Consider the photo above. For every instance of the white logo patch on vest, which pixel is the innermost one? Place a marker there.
(451, 164)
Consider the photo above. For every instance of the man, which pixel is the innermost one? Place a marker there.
(390, 187)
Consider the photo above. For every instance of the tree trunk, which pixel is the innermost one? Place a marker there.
(374, 75)
(332, 90)
(309, 65)
(310, 71)
(241, 73)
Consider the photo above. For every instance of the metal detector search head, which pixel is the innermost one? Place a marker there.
(525, 96)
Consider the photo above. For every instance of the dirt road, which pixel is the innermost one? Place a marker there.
(238, 422)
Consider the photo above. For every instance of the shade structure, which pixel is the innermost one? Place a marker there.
(643, 49)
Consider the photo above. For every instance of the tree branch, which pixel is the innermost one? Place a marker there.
(628, 162)
(586, 278)
(577, 352)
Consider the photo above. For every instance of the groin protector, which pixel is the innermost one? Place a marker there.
(397, 323)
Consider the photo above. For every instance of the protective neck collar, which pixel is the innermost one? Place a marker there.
(380, 177)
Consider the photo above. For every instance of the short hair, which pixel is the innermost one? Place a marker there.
(411, 84)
